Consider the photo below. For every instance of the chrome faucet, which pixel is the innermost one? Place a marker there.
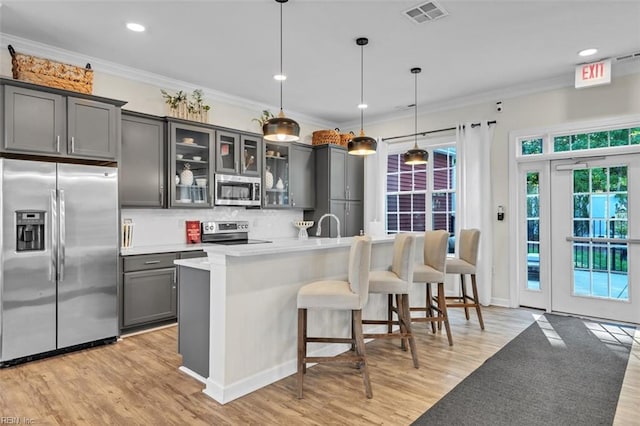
(319, 229)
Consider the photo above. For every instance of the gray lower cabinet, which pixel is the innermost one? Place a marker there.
(193, 324)
(149, 289)
(302, 177)
(56, 123)
(143, 161)
(350, 214)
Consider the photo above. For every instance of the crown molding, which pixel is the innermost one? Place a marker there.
(46, 51)
(538, 86)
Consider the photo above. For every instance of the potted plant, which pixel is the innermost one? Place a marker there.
(181, 107)
(266, 116)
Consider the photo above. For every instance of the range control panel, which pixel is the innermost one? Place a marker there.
(217, 227)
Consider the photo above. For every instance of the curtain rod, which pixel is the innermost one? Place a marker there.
(435, 131)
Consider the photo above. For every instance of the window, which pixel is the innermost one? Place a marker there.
(604, 139)
(423, 196)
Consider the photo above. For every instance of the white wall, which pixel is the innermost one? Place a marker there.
(621, 97)
(541, 109)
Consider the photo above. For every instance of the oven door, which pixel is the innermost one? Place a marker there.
(237, 190)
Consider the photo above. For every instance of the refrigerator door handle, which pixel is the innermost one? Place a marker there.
(63, 232)
(54, 237)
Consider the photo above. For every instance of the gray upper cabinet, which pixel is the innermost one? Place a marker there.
(92, 129)
(339, 190)
(302, 177)
(34, 121)
(227, 145)
(143, 159)
(347, 175)
(55, 123)
(238, 154)
(191, 155)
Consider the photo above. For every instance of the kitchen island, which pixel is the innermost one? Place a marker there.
(252, 310)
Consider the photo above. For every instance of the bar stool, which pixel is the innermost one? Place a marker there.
(396, 282)
(433, 270)
(463, 265)
(349, 295)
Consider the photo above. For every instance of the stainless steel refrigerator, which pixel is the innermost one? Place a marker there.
(58, 257)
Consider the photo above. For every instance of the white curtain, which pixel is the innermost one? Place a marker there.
(375, 185)
(475, 203)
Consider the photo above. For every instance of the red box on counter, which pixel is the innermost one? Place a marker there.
(193, 231)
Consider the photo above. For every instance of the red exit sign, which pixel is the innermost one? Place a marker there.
(593, 74)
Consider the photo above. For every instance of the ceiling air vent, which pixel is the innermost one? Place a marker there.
(426, 12)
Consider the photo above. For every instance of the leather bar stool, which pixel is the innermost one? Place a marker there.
(348, 295)
(433, 270)
(465, 264)
(396, 281)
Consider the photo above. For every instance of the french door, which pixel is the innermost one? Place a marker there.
(595, 237)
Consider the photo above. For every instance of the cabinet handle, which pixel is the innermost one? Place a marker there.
(73, 144)
(58, 143)
(151, 262)
(161, 195)
(174, 279)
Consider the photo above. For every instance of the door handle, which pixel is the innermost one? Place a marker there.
(63, 234)
(54, 235)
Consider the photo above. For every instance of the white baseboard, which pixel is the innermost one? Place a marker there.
(193, 374)
(505, 303)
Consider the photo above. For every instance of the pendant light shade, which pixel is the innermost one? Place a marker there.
(362, 144)
(416, 155)
(281, 128)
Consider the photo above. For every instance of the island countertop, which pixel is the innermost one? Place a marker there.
(286, 245)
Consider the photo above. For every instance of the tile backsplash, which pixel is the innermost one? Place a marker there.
(160, 227)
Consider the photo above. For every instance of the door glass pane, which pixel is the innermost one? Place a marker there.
(533, 231)
(600, 267)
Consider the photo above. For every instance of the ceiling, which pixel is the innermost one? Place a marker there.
(232, 46)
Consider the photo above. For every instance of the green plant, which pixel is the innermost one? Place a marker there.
(198, 101)
(174, 101)
(266, 116)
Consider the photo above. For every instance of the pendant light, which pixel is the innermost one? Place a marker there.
(361, 144)
(416, 155)
(281, 128)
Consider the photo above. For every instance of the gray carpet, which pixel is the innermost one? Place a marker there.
(559, 371)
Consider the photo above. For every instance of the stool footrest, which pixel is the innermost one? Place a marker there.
(330, 340)
(340, 358)
(395, 322)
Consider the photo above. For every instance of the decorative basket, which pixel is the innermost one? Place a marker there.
(50, 73)
(345, 138)
(325, 137)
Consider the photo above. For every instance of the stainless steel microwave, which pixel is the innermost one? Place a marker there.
(233, 190)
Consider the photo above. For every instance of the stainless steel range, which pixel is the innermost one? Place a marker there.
(228, 233)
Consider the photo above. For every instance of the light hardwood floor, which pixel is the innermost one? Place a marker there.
(136, 382)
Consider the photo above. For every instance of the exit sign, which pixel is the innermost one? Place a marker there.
(593, 74)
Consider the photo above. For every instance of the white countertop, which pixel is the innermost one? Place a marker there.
(287, 245)
(163, 248)
(278, 245)
(196, 263)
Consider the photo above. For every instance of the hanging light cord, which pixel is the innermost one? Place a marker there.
(281, 73)
(415, 109)
(361, 88)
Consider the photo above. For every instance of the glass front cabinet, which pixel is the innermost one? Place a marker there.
(190, 159)
(276, 176)
(238, 154)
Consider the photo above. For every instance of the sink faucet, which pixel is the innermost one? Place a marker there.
(319, 229)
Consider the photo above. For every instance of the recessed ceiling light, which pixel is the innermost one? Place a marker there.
(362, 106)
(587, 52)
(135, 27)
(280, 77)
